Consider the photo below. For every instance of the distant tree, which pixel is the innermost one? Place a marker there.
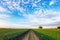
(40, 27)
(58, 27)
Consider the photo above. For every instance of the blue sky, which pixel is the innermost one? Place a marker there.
(29, 13)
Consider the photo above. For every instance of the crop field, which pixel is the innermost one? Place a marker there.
(48, 34)
(43, 34)
(5, 34)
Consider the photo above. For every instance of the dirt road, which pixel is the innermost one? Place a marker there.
(31, 36)
(27, 36)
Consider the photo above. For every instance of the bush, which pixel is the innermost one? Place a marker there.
(40, 27)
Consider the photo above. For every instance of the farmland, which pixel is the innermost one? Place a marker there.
(17, 34)
(42, 34)
(8, 33)
(48, 34)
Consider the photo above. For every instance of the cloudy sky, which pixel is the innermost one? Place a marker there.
(29, 13)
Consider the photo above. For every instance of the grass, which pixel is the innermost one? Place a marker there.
(31, 37)
(43, 34)
(48, 34)
(8, 33)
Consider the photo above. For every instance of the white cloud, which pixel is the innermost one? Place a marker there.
(21, 9)
(40, 17)
(4, 13)
(34, 5)
(53, 2)
(22, 26)
(13, 6)
(2, 9)
(37, 1)
(4, 16)
(44, 3)
(26, 2)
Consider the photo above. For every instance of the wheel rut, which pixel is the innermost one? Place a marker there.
(29, 35)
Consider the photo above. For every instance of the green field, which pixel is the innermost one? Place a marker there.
(48, 34)
(43, 34)
(5, 34)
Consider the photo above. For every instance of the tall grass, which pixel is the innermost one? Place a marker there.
(8, 33)
(48, 34)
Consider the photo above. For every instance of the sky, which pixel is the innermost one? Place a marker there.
(29, 13)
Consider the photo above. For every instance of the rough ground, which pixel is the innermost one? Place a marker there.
(31, 36)
(27, 36)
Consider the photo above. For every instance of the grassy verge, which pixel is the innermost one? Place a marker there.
(8, 33)
(48, 34)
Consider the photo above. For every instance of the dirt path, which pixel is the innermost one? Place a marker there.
(26, 36)
(31, 36)
(34, 36)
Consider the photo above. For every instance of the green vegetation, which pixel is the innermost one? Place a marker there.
(43, 34)
(31, 37)
(8, 33)
(48, 34)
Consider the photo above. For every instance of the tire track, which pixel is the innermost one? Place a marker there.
(35, 36)
(28, 35)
